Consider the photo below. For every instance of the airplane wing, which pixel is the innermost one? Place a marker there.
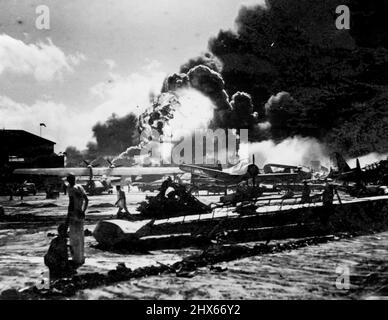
(114, 179)
(120, 171)
(137, 171)
(210, 173)
(60, 172)
(281, 166)
(276, 177)
(229, 178)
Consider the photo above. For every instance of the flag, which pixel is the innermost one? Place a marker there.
(42, 125)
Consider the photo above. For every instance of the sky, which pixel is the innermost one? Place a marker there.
(97, 58)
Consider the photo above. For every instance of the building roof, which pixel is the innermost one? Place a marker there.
(18, 134)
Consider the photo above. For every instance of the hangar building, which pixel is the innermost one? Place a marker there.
(22, 149)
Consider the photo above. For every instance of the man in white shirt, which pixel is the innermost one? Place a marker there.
(121, 203)
(78, 203)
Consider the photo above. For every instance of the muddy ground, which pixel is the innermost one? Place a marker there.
(309, 272)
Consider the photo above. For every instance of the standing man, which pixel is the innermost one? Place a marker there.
(327, 200)
(328, 195)
(78, 203)
(305, 193)
(11, 191)
(21, 191)
(121, 203)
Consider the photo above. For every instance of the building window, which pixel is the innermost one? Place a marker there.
(15, 159)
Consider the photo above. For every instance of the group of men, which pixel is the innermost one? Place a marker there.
(57, 256)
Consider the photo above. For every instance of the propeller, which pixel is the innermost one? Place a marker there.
(114, 165)
(111, 164)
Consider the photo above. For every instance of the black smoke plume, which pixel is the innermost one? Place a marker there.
(111, 138)
(336, 80)
(207, 59)
(289, 72)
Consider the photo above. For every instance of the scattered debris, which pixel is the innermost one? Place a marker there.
(186, 274)
(40, 205)
(218, 268)
(52, 194)
(178, 201)
(93, 211)
(47, 205)
(102, 205)
(88, 233)
(185, 268)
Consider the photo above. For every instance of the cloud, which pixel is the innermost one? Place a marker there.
(63, 126)
(68, 125)
(44, 61)
(110, 63)
(125, 94)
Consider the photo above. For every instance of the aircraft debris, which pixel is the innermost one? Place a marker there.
(283, 219)
(172, 200)
(68, 287)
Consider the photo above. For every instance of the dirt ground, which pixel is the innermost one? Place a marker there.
(305, 273)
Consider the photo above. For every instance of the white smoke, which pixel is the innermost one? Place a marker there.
(194, 111)
(179, 113)
(292, 151)
(368, 159)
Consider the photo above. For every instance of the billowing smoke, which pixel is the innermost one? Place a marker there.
(111, 137)
(281, 110)
(211, 84)
(207, 59)
(176, 114)
(172, 116)
(368, 159)
(301, 86)
(278, 101)
(335, 80)
(195, 111)
(121, 130)
(189, 101)
(292, 151)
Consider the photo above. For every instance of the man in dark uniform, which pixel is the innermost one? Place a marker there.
(306, 193)
(327, 200)
(328, 195)
(57, 258)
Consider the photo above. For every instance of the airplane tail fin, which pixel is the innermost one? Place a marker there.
(358, 166)
(359, 175)
(341, 163)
